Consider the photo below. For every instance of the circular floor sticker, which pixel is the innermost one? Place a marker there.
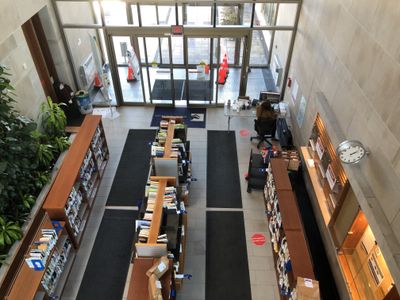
(258, 239)
(244, 132)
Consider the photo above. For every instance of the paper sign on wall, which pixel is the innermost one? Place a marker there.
(295, 89)
(301, 111)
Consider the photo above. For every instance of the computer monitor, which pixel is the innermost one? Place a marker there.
(272, 97)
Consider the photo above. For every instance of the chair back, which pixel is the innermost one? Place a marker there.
(265, 126)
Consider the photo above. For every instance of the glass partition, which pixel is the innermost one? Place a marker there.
(114, 12)
(199, 15)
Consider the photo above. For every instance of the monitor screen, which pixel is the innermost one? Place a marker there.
(272, 97)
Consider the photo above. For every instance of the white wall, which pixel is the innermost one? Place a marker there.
(14, 52)
(347, 62)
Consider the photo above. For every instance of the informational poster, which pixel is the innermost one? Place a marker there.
(301, 111)
(295, 89)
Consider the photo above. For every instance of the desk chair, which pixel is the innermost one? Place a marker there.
(265, 128)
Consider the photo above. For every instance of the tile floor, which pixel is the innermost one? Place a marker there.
(261, 265)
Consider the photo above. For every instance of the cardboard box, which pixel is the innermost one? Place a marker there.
(155, 288)
(159, 268)
(307, 289)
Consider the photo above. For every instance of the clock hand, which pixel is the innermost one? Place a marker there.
(353, 153)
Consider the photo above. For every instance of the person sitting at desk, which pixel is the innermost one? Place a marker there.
(265, 111)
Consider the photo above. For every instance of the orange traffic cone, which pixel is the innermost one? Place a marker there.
(225, 63)
(221, 75)
(130, 74)
(97, 81)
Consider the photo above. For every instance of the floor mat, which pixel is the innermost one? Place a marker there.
(192, 117)
(199, 90)
(223, 181)
(108, 265)
(322, 269)
(227, 270)
(162, 89)
(133, 168)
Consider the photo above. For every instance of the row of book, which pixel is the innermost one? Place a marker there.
(72, 209)
(41, 249)
(56, 267)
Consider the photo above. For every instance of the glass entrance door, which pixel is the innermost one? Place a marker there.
(128, 69)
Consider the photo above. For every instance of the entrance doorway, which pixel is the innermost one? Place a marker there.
(178, 70)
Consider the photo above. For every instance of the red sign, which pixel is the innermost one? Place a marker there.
(244, 132)
(177, 30)
(258, 239)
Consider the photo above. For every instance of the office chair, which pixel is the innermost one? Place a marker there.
(265, 128)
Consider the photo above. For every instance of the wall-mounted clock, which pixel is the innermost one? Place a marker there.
(351, 151)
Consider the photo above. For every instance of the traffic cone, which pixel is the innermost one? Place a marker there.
(130, 77)
(97, 81)
(221, 75)
(225, 63)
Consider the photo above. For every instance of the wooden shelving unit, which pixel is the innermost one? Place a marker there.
(152, 248)
(88, 149)
(323, 153)
(281, 204)
(27, 283)
(138, 285)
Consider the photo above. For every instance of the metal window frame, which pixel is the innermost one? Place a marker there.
(191, 31)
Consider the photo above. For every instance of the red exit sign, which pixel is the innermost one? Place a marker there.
(177, 30)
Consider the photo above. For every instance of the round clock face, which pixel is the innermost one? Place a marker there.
(351, 152)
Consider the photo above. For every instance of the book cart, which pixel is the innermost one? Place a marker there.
(289, 245)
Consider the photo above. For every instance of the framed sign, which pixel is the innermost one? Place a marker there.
(301, 111)
(330, 176)
(320, 148)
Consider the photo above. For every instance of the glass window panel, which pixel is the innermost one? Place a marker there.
(115, 12)
(121, 45)
(197, 15)
(135, 16)
(198, 50)
(97, 11)
(286, 14)
(260, 44)
(166, 15)
(180, 15)
(280, 50)
(76, 13)
(148, 15)
(228, 46)
(264, 14)
(153, 53)
(164, 50)
(228, 15)
(177, 50)
(141, 50)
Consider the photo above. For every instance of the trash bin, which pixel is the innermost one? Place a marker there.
(84, 103)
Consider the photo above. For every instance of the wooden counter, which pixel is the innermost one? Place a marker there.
(138, 285)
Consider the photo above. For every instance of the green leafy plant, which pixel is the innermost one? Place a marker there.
(53, 118)
(9, 233)
(45, 154)
(61, 143)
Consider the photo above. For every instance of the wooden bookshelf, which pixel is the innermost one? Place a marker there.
(291, 226)
(151, 248)
(138, 285)
(27, 281)
(69, 176)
